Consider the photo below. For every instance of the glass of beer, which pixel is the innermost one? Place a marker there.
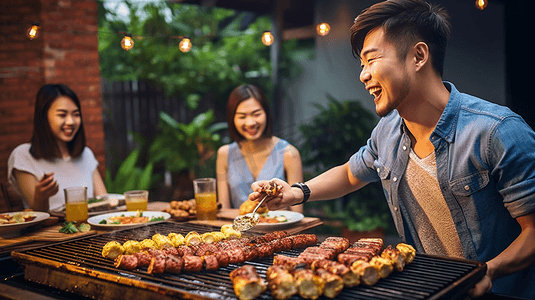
(76, 204)
(205, 198)
(136, 200)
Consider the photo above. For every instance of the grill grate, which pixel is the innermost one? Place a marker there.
(427, 277)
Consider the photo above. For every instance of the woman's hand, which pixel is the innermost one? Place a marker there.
(45, 188)
(286, 196)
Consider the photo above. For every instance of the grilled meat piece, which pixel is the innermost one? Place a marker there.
(291, 262)
(309, 285)
(192, 263)
(143, 259)
(349, 258)
(339, 244)
(127, 262)
(236, 255)
(368, 274)
(333, 283)
(281, 282)
(303, 240)
(157, 263)
(210, 262)
(173, 264)
(222, 258)
(247, 283)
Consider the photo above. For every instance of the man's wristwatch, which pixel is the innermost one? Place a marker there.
(305, 189)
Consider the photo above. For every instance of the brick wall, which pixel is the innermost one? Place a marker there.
(66, 51)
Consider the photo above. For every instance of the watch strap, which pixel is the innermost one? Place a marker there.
(305, 189)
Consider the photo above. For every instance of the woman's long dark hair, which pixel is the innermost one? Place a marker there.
(43, 141)
(237, 96)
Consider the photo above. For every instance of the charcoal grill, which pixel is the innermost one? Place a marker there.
(77, 266)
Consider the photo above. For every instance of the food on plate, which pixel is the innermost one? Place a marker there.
(272, 220)
(247, 283)
(248, 206)
(112, 250)
(123, 219)
(16, 218)
(181, 210)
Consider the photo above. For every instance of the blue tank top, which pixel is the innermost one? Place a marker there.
(240, 177)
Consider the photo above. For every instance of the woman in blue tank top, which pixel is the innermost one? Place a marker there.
(255, 153)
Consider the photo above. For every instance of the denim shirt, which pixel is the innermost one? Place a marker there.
(485, 157)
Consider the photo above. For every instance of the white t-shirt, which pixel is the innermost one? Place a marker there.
(67, 172)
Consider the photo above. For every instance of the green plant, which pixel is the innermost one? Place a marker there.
(336, 133)
(130, 177)
(186, 146)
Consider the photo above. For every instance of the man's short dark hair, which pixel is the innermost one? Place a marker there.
(405, 23)
(43, 142)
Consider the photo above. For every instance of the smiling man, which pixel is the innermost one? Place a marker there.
(458, 172)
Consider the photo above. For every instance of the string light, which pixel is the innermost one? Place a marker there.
(323, 29)
(33, 31)
(481, 4)
(185, 45)
(267, 38)
(127, 42)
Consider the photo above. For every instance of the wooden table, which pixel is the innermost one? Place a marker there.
(226, 216)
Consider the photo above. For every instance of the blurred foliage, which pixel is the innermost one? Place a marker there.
(186, 146)
(130, 177)
(226, 49)
(333, 135)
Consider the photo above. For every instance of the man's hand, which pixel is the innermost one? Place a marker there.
(481, 288)
(283, 199)
(45, 187)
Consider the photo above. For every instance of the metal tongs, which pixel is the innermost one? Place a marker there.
(246, 222)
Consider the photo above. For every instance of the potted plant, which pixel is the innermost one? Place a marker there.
(333, 135)
(186, 149)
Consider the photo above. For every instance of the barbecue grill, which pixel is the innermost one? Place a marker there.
(77, 266)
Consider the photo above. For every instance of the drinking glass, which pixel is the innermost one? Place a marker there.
(205, 198)
(136, 200)
(76, 204)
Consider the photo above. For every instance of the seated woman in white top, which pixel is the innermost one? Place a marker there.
(57, 156)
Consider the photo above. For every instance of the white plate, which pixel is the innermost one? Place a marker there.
(293, 217)
(11, 230)
(94, 221)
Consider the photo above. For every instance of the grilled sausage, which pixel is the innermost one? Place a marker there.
(210, 262)
(157, 264)
(143, 259)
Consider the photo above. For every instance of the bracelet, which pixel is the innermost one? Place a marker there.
(305, 189)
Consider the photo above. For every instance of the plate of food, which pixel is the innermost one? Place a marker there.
(127, 219)
(11, 223)
(278, 218)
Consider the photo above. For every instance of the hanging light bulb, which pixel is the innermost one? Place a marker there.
(323, 29)
(267, 38)
(481, 4)
(185, 45)
(33, 31)
(127, 42)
